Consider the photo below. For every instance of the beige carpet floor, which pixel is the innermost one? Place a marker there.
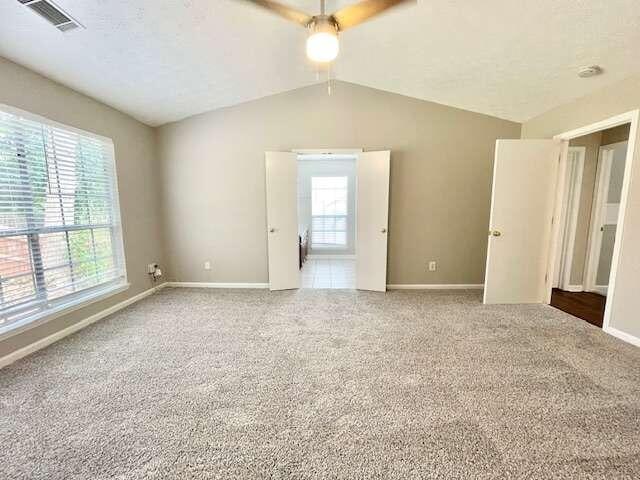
(204, 384)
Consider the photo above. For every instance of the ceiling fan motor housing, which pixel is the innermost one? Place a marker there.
(323, 24)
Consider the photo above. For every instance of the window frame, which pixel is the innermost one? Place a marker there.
(58, 307)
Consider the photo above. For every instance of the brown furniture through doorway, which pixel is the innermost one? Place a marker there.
(303, 247)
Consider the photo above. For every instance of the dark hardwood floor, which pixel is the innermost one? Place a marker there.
(585, 305)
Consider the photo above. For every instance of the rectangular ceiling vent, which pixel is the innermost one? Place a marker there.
(53, 14)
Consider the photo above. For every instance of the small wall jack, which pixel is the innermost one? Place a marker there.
(154, 272)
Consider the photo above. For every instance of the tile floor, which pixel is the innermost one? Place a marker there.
(328, 273)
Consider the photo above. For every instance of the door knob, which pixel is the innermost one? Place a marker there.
(272, 230)
(496, 233)
(384, 230)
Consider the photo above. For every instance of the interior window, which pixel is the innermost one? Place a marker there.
(329, 211)
(60, 235)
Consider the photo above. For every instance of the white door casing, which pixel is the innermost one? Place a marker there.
(520, 227)
(372, 204)
(281, 170)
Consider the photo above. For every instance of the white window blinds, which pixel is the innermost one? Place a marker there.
(60, 235)
(329, 211)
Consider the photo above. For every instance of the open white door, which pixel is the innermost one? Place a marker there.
(282, 219)
(604, 216)
(372, 203)
(522, 208)
(568, 222)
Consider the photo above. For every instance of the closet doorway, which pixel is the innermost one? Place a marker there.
(589, 222)
(327, 216)
(529, 213)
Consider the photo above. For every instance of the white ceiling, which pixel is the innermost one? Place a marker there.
(163, 60)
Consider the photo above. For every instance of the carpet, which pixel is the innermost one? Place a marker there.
(242, 384)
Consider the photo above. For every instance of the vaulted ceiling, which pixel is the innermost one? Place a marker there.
(163, 60)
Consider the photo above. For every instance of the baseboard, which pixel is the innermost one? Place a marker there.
(216, 285)
(426, 286)
(434, 286)
(573, 288)
(46, 341)
(330, 257)
(623, 336)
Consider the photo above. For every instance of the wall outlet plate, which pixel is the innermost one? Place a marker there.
(207, 265)
(432, 266)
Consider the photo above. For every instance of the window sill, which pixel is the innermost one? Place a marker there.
(60, 310)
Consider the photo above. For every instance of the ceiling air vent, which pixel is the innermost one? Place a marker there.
(53, 14)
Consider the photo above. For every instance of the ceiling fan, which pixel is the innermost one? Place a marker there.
(322, 43)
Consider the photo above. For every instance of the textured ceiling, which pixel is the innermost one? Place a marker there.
(163, 60)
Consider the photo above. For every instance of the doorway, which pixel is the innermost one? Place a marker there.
(326, 236)
(327, 220)
(529, 181)
(588, 222)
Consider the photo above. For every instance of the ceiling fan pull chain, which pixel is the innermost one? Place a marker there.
(329, 80)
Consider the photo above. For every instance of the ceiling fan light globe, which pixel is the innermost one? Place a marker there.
(322, 47)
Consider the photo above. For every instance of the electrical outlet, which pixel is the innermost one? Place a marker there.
(432, 266)
(207, 265)
(151, 268)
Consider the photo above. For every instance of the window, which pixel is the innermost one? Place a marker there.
(60, 236)
(329, 211)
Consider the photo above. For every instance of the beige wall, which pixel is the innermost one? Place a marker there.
(442, 157)
(615, 134)
(619, 98)
(135, 148)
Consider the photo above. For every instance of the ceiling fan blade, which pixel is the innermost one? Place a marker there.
(353, 15)
(284, 11)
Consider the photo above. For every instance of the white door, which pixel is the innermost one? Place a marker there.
(520, 226)
(372, 205)
(604, 216)
(282, 219)
(569, 216)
